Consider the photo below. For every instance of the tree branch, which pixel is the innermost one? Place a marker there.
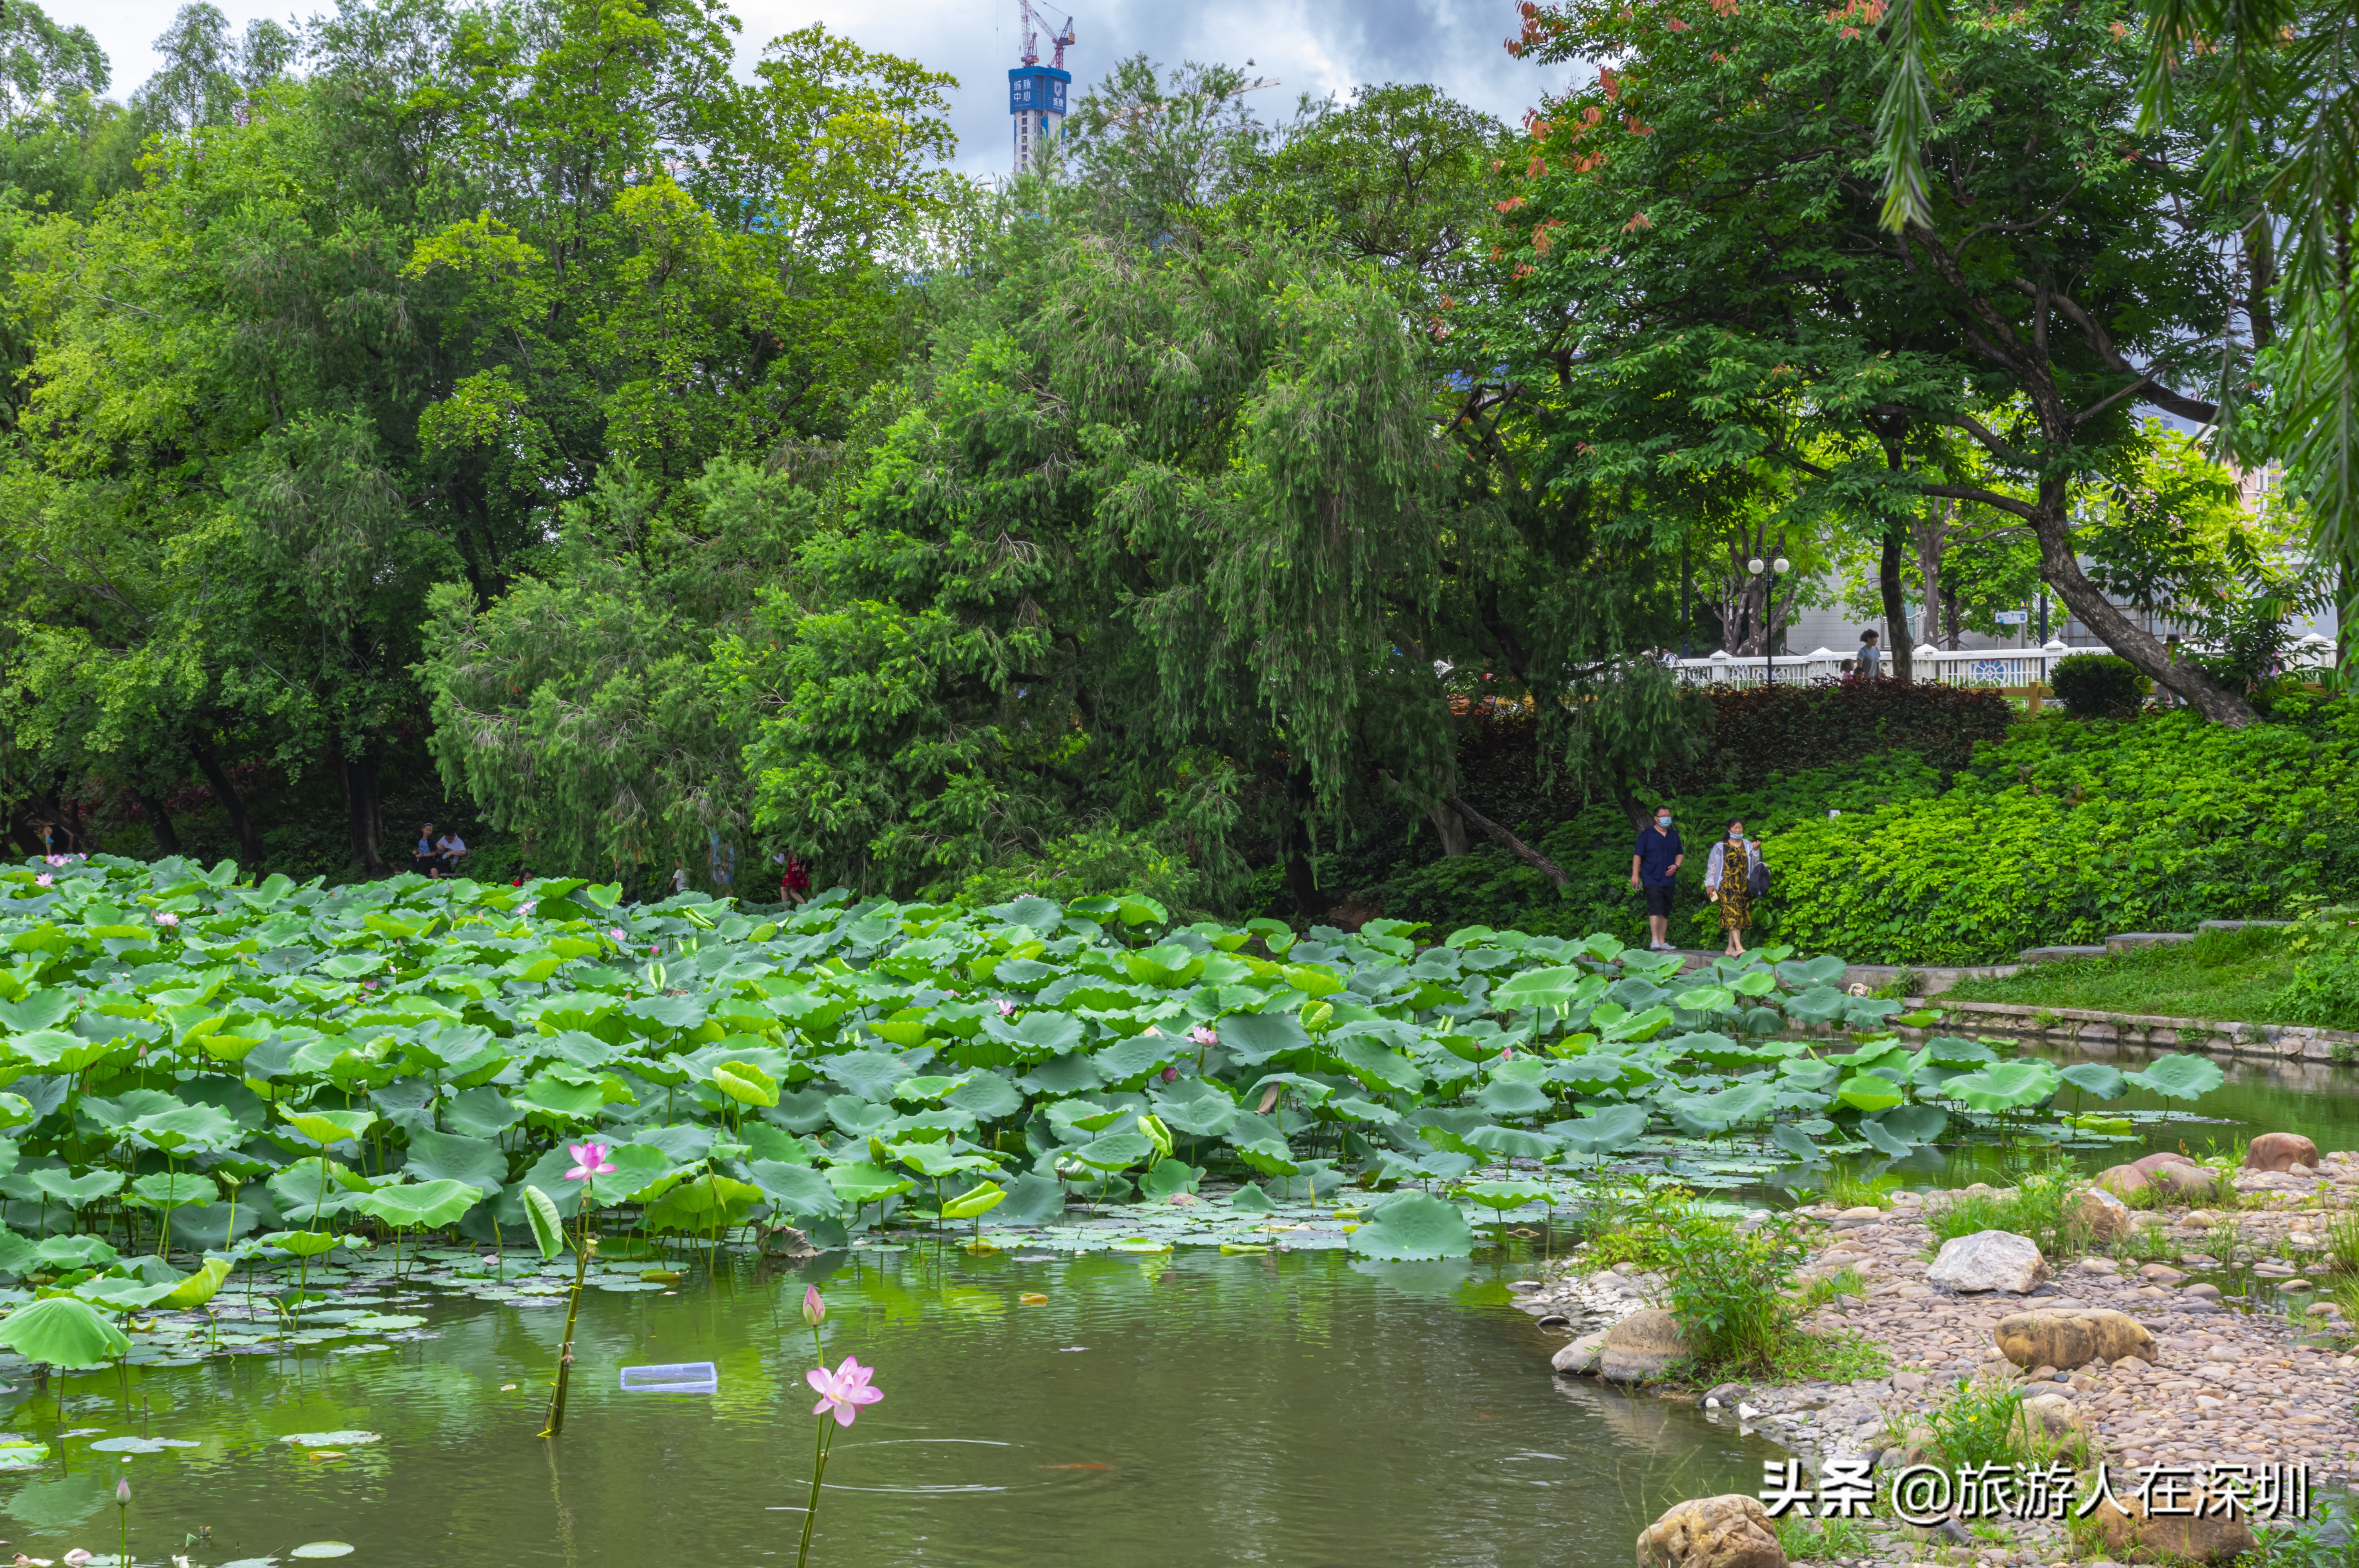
(1514, 846)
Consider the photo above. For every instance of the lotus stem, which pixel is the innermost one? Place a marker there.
(565, 1351)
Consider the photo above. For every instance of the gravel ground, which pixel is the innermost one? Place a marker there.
(2245, 1372)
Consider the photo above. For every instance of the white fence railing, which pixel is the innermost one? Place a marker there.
(1966, 666)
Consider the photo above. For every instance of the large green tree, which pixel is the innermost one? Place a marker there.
(1701, 249)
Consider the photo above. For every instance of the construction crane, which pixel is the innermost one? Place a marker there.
(1030, 21)
(1036, 93)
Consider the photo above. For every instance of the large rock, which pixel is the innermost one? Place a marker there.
(2279, 1150)
(1641, 1346)
(2053, 1414)
(2131, 1535)
(2102, 1216)
(2149, 1163)
(2122, 1181)
(2185, 1181)
(1989, 1260)
(1580, 1357)
(2071, 1336)
(1731, 1531)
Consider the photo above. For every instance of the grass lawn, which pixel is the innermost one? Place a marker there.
(2225, 976)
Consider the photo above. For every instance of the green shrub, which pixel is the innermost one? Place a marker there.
(2098, 686)
(1729, 1291)
(1984, 1423)
(2066, 832)
(2325, 985)
(1102, 859)
(2040, 1207)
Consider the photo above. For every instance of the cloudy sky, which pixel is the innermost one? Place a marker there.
(1318, 46)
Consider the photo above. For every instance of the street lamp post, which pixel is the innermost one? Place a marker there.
(1756, 566)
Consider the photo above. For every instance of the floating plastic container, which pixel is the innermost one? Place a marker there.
(681, 1377)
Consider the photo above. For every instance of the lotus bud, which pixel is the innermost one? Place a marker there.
(123, 1491)
(814, 1308)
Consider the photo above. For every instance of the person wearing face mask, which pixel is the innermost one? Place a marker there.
(1654, 865)
(1727, 881)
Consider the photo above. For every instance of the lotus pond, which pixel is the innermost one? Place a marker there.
(250, 1128)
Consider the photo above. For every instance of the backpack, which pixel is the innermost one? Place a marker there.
(1756, 880)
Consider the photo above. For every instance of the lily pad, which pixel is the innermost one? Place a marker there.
(331, 1440)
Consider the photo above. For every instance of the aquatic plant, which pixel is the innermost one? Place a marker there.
(842, 1393)
(407, 1056)
(588, 1161)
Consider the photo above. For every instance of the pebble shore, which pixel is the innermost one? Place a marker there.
(2249, 1376)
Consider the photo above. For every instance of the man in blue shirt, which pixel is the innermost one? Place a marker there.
(1653, 866)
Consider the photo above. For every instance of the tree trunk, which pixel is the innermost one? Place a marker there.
(1515, 846)
(160, 823)
(217, 778)
(358, 775)
(1301, 876)
(1931, 538)
(2061, 572)
(1451, 828)
(1896, 606)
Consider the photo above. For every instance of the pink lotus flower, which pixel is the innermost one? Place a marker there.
(1169, 1074)
(842, 1391)
(57, 860)
(589, 1160)
(1203, 1035)
(45, 881)
(526, 907)
(166, 917)
(617, 934)
(814, 1307)
(1006, 1008)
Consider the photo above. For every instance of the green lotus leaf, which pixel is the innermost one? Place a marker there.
(450, 1156)
(421, 1205)
(1704, 1115)
(1614, 1127)
(200, 1287)
(301, 1243)
(547, 1226)
(862, 1183)
(2096, 1078)
(200, 1129)
(2006, 1086)
(175, 1189)
(975, 1202)
(1114, 1152)
(2179, 1077)
(62, 1332)
(329, 1127)
(1867, 1091)
(1167, 1177)
(708, 1203)
(1504, 1196)
(75, 1190)
(1414, 1226)
(745, 1083)
(797, 1189)
(1543, 987)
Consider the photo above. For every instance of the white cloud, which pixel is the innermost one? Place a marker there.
(1315, 46)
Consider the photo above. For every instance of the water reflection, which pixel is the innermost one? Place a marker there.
(1288, 1409)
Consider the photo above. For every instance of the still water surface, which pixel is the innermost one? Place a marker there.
(1297, 1410)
